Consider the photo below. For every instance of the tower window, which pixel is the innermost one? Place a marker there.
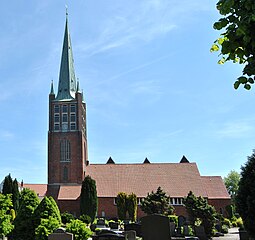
(72, 117)
(56, 108)
(56, 127)
(65, 150)
(72, 126)
(64, 117)
(65, 174)
(73, 109)
(64, 108)
(56, 117)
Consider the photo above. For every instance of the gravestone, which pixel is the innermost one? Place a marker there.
(200, 232)
(181, 222)
(60, 234)
(186, 230)
(155, 227)
(130, 235)
(101, 222)
(137, 227)
(172, 229)
(114, 225)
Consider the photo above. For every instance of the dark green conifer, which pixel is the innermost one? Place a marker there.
(88, 198)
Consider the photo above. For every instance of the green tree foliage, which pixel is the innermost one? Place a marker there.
(10, 186)
(46, 227)
(232, 183)
(46, 209)
(158, 202)
(6, 225)
(245, 199)
(23, 223)
(66, 217)
(121, 205)
(78, 229)
(88, 198)
(131, 202)
(237, 42)
(199, 209)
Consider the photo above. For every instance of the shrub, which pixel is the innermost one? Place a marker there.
(46, 227)
(224, 229)
(78, 229)
(239, 222)
(85, 218)
(67, 217)
(227, 222)
(173, 218)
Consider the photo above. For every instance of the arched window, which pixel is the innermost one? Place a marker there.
(65, 150)
(65, 174)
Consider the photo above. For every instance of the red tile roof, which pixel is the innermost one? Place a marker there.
(215, 187)
(69, 192)
(40, 189)
(177, 179)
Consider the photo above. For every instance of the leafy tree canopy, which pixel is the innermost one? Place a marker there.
(6, 225)
(232, 183)
(23, 223)
(199, 209)
(158, 202)
(245, 199)
(237, 42)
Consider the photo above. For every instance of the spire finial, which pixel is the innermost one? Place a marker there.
(66, 10)
(51, 89)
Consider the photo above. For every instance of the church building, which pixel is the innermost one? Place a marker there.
(68, 159)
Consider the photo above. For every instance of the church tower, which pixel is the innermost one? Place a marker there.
(67, 137)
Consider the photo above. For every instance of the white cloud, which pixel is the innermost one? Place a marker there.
(6, 135)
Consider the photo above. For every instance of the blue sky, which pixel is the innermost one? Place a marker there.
(152, 87)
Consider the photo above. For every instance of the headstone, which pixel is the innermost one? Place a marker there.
(200, 232)
(114, 225)
(218, 226)
(108, 236)
(181, 221)
(172, 229)
(137, 227)
(155, 227)
(186, 230)
(101, 222)
(60, 234)
(130, 235)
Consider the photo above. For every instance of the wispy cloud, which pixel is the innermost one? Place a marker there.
(6, 135)
(237, 129)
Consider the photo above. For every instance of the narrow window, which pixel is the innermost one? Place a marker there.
(65, 174)
(64, 108)
(56, 108)
(56, 117)
(56, 127)
(72, 126)
(73, 109)
(64, 117)
(65, 151)
(72, 117)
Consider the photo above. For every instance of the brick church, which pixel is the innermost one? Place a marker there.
(68, 159)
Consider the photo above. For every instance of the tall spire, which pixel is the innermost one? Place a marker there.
(67, 80)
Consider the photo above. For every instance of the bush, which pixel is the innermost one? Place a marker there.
(239, 222)
(224, 229)
(173, 218)
(78, 229)
(67, 217)
(227, 222)
(85, 218)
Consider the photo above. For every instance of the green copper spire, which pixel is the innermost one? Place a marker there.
(67, 80)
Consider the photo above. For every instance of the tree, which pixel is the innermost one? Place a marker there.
(78, 229)
(23, 223)
(10, 186)
(245, 198)
(199, 209)
(6, 225)
(46, 227)
(121, 205)
(237, 42)
(232, 183)
(46, 209)
(88, 198)
(158, 202)
(132, 206)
